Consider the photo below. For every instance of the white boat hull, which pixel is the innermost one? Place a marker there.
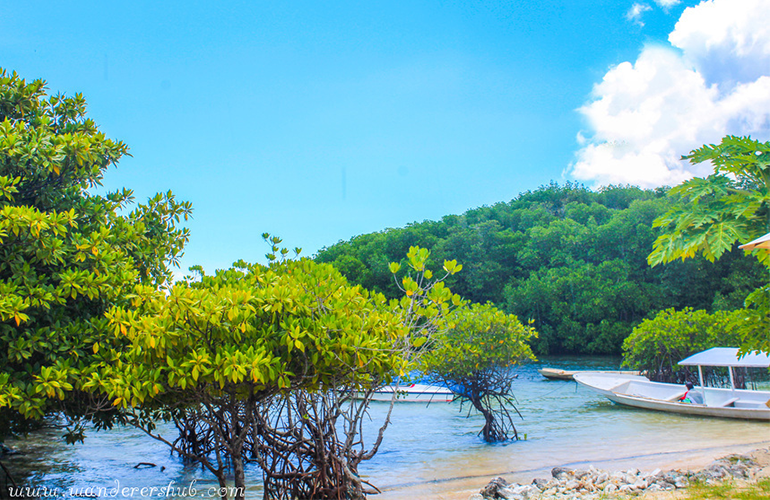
(639, 392)
(692, 409)
(415, 393)
(558, 374)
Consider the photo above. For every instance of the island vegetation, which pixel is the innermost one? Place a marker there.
(276, 363)
(656, 345)
(239, 361)
(571, 260)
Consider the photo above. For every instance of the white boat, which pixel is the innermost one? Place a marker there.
(559, 374)
(556, 373)
(640, 392)
(414, 393)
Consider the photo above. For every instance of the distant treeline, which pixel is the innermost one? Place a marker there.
(572, 260)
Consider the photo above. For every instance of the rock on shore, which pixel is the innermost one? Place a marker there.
(593, 484)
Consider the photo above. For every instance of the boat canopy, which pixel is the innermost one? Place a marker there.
(761, 242)
(727, 356)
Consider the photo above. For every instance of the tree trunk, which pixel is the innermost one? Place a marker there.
(240, 478)
(222, 484)
(489, 431)
(489, 425)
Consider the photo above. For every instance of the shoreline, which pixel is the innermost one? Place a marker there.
(463, 487)
(738, 468)
(437, 453)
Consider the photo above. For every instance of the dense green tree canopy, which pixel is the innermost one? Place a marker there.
(66, 255)
(250, 329)
(571, 259)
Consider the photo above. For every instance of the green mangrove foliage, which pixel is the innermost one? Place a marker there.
(658, 344)
(758, 309)
(273, 363)
(66, 255)
(310, 441)
(229, 341)
(571, 259)
(425, 301)
(474, 355)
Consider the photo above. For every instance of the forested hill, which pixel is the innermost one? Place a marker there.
(571, 259)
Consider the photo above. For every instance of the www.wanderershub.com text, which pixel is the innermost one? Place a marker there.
(172, 489)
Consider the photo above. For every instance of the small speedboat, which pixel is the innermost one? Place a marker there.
(640, 392)
(556, 373)
(559, 374)
(414, 393)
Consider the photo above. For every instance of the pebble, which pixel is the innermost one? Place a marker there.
(595, 484)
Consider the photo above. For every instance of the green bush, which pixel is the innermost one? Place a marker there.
(657, 345)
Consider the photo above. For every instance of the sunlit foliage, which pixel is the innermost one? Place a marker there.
(66, 254)
(730, 206)
(222, 344)
(714, 214)
(658, 344)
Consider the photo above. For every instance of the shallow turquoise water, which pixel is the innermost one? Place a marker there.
(429, 451)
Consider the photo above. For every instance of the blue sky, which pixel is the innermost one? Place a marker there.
(319, 121)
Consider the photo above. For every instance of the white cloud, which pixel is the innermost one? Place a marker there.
(644, 116)
(728, 41)
(634, 14)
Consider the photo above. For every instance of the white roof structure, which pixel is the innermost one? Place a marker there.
(727, 356)
(761, 242)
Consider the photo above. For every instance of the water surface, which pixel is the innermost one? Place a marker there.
(429, 451)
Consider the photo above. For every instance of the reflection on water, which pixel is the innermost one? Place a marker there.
(428, 450)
